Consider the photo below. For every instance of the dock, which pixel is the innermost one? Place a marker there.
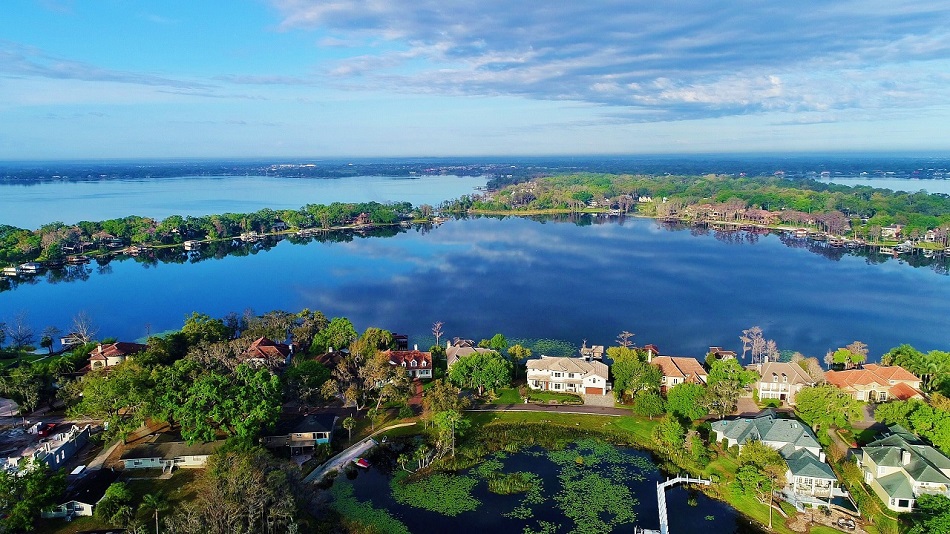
(661, 498)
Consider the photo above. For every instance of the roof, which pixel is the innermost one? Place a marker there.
(460, 349)
(803, 463)
(317, 422)
(765, 427)
(331, 359)
(924, 463)
(171, 450)
(90, 487)
(794, 372)
(568, 365)
(406, 358)
(903, 392)
(685, 368)
(896, 486)
(115, 350)
(264, 349)
(870, 374)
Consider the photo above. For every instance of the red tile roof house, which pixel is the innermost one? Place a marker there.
(267, 353)
(676, 370)
(875, 383)
(418, 364)
(114, 354)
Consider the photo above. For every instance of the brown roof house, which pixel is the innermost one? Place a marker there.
(418, 364)
(266, 353)
(677, 370)
(114, 354)
(782, 381)
(457, 348)
(568, 375)
(875, 383)
(167, 456)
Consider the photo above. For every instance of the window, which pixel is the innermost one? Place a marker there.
(784, 378)
(557, 375)
(774, 377)
(557, 386)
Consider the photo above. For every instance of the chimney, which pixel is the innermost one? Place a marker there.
(415, 347)
(905, 457)
(821, 456)
(100, 348)
(448, 345)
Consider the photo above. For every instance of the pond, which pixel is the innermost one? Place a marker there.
(588, 487)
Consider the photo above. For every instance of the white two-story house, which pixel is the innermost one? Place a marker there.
(568, 375)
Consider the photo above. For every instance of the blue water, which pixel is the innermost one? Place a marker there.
(678, 289)
(33, 205)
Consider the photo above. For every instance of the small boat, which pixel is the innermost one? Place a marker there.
(77, 260)
(361, 462)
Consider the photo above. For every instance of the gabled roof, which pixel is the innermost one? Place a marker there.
(406, 358)
(891, 372)
(794, 372)
(265, 349)
(680, 367)
(315, 423)
(461, 348)
(902, 391)
(115, 350)
(171, 450)
(568, 365)
(90, 487)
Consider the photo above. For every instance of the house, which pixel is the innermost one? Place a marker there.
(458, 348)
(891, 232)
(808, 476)
(71, 340)
(362, 220)
(418, 364)
(782, 381)
(114, 354)
(596, 352)
(302, 434)
(900, 467)
(266, 353)
(83, 494)
(568, 375)
(54, 450)
(720, 353)
(677, 370)
(169, 455)
(876, 383)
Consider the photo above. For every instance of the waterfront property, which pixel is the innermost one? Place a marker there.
(458, 348)
(568, 375)
(809, 478)
(418, 364)
(900, 467)
(782, 381)
(266, 353)
(301, 435)
(167, 456)
(676, 370)
(114, 354)
(876, 383)
(82, 495)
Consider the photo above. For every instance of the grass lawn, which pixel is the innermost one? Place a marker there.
(548, 396)
(507, 396)
(642, 429)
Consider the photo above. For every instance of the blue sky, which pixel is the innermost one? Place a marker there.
(341, 78)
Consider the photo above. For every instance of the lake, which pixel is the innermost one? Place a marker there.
(32, 205)
(680, 289)
(894, 184)
(589, 487)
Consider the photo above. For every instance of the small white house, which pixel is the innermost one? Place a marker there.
(167, 456)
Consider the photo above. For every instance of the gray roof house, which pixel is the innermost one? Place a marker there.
(83, 494)
(809, 478)
(169, 455)
(900, 467)
(458, 348)
(782, 380)
(568, 375)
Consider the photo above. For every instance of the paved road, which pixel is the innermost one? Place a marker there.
(555, 408)
(350, 454)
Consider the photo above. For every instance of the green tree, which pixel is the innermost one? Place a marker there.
(826, 406)
(449, 424)
(685, 401)
(631, 373)
(724, 385)
(154, 503)
(305, 379)
(670, 435)
(115, 504)
(897, 412)
(442, 396)
(348, 424)
(761, 472)
(338, 334)
(200, 327)
(931, 515)
(648, 404)
(121, 395)
(25, 493)
(481, 370)
(47, 343)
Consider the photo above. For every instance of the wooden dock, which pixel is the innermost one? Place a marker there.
(661, 498)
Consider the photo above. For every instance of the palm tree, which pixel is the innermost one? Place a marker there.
(157, 502)
(348, 424)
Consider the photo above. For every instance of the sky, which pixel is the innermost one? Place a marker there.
(90, 79)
